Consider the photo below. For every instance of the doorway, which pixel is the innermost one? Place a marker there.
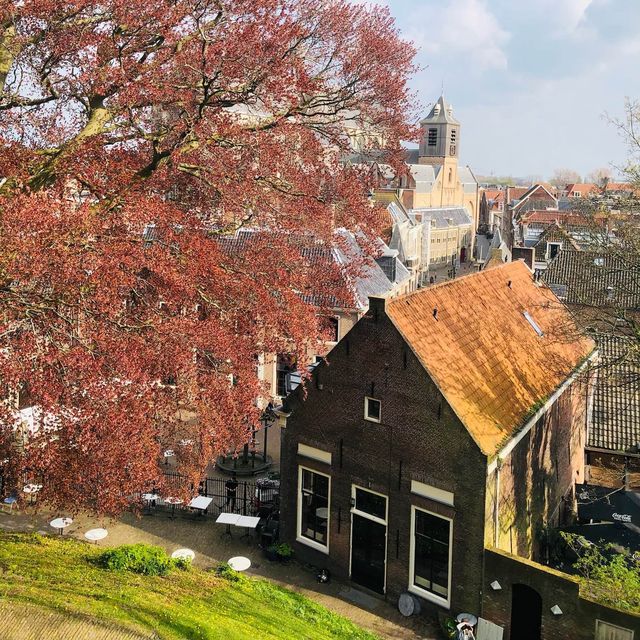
(369, 539)
(526, 613)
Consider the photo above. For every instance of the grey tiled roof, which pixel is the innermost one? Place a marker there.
(397, 212)
(595, 279)
(425, 176)
(441, 112)
(442, 215)
(371, 280)
(615, 421)
(467, 179)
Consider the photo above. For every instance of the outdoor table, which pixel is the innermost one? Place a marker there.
(201, 503)
(228, 519)
(466, 619)
(173, 502)
(183, 554)
(31, 490)
(249, 523)
(93, 535)
(239, 563)
(60, 524)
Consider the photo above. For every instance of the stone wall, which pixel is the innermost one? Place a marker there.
(578, 618)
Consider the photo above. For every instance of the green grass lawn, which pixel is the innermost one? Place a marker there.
(61, 573)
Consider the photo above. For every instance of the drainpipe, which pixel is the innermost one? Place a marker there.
(496, 506)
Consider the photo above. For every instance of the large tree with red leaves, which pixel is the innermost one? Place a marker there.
(133, 136)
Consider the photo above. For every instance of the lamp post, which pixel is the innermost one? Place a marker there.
(268, 419)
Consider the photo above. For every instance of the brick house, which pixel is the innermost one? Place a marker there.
(446, 420)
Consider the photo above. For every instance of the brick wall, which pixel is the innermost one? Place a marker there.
(419, 438)
(537, 479)
(579, 615)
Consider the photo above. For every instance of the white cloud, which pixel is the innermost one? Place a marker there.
(563, 17)
(462, 27)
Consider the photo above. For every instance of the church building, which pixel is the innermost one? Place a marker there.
(436, 179)
(440, 198)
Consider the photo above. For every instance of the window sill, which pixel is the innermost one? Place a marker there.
(314, 545)
(432, 597)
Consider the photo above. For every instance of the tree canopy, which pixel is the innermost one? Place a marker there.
(133, 137)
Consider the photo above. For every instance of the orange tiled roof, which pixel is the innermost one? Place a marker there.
(483, 354)
(494, 194)
(583, 188)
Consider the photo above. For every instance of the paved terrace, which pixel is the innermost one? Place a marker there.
(204, 537)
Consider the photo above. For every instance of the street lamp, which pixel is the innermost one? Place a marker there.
(268, 419)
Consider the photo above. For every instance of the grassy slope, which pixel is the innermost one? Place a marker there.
(58, 573)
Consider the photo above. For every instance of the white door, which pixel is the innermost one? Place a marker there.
(488, 630)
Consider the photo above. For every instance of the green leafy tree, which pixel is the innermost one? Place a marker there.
(606, 575)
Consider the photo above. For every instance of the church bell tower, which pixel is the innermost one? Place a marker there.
(440, 135)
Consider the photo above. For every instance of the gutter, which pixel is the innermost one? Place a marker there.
(511, 445)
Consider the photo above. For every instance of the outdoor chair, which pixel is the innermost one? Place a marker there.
(270, 531)
(9, 501)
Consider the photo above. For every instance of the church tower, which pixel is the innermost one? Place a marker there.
(440, 135)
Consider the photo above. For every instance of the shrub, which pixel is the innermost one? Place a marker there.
(137, 558)
(282, 551)
(228, 573)
(607, 575)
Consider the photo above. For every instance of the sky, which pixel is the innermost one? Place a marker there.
(531, 81)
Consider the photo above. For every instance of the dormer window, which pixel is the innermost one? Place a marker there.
(432, 137)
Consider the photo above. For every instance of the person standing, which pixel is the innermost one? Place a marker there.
(231, 486)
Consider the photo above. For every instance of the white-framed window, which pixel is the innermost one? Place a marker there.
(430, 556)
(369, 504)
(372, 409)
(553, 248)
(314, 503)
(330, 327)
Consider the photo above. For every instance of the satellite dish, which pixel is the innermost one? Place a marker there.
(408, 605)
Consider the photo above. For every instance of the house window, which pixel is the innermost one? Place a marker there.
(285, 366)
(313, 508)
(430, 556)
(372, 409)
(608, 631)
(330, 327)
(552, 249)
(432, 138)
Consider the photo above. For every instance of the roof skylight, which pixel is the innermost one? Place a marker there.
(533, 323)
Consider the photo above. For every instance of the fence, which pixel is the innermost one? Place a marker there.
(258, 497)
